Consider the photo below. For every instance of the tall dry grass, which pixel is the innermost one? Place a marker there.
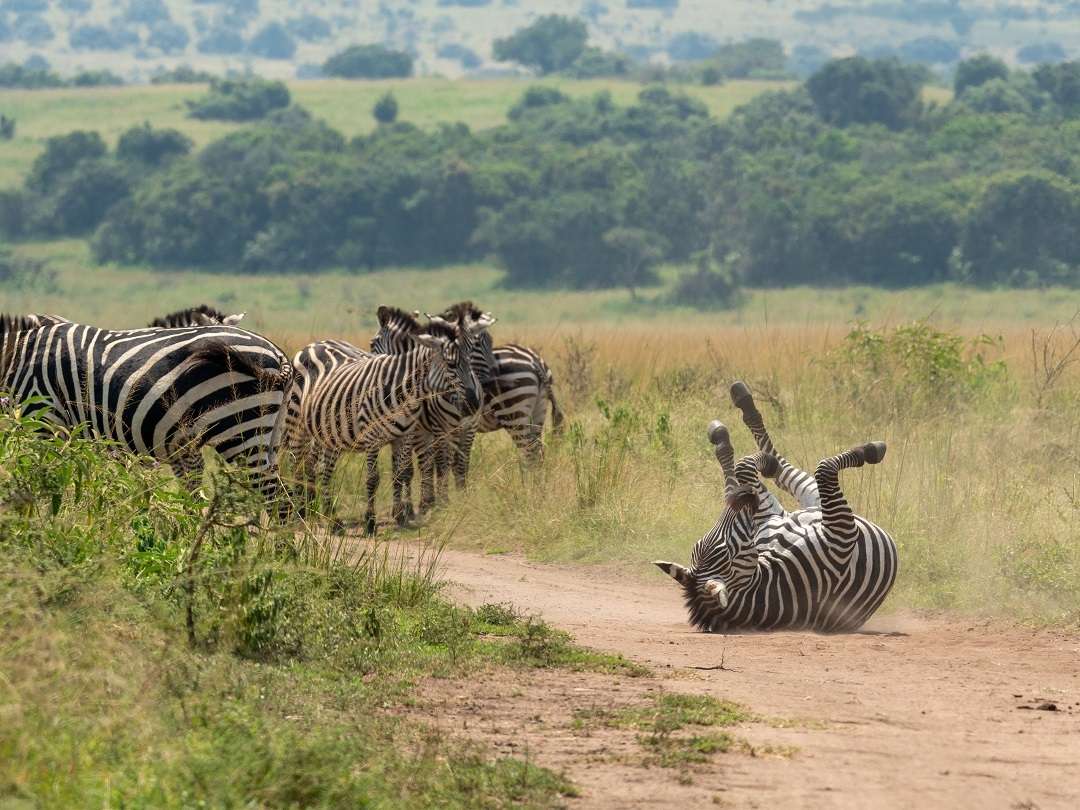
(980, 489)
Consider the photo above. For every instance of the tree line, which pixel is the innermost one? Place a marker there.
(849, 178)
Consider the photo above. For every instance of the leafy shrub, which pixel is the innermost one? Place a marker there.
(369, 62)
(273, 42)
(455, 50)
(914, 369)
(221, 40)
(309, 28)
(96, 78)
(26, 275)
(183, 75)
(707, 286)
(169, 37)
(83, 196)
(62, 153)
(12, 75)
(978, 70)
(385, 109)
(549, 44)
(152, 146)
(240, 100)
(858, 90)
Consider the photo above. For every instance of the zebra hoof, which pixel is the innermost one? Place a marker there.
(873, 452)
(741, 397)
(718, 433)
(718, 591)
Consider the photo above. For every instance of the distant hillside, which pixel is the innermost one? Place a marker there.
(292, 38)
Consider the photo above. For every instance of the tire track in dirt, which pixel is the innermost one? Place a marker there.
(916, 711)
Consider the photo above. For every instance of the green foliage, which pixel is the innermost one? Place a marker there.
(977, 71)
(386, 109)
(273, 42)
(184, 74)
(549, 44)
(62, 154)
(751, 59)
(152, 146)
(707, 286)
(1062, 83)
(369, 62)
(856, 90)
(914, 370)
(240, 100)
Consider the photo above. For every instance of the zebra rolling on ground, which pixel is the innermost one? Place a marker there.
(201, 315)
(165, 393)
(345, 399)
(819, 568)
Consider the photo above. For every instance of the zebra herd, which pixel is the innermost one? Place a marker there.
(195, 379)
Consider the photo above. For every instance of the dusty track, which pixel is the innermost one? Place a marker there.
(916, 712)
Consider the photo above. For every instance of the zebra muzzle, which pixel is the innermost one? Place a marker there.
(718, 591)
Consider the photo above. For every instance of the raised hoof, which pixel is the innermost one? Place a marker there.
(873, 452)
(741, 397)
(718, 433)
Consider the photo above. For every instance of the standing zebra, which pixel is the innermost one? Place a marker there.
(515, 400)
(819, 568)
(165, 393)
(441, 417)
(346, 399)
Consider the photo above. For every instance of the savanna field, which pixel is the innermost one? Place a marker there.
(163, 649)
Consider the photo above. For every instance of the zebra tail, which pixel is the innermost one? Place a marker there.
(230, 359)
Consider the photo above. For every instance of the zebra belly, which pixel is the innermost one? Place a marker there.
(803, 581)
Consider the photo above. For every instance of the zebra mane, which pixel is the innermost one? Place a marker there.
(201, 315)
(400, 318)
(442, 329)
(458, 311)
(20, 323)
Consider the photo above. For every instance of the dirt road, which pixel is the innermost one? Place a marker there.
(916, 712)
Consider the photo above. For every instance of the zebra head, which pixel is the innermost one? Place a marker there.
(458, 358)
(397, 331)
(476, 337)
(714, 574)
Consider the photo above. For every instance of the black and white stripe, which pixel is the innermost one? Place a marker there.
(346, 399)
(165, 393)
(819, 568)
(201, 315)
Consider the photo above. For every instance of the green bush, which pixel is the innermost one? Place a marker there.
(240, 100)
(369, 62)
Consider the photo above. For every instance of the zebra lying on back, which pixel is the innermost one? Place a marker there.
(346, 399)
(819, 568)
(516, 397)
(160, 392)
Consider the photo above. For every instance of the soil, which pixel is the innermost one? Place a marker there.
(914, 711)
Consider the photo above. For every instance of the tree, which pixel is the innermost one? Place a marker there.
(639, 252)
(707, 286)
(1062, 82)
(930, 51)
(273, 42)
(152, 146)
(754, 58)
(309, 28)
(385, 109)
(977, 71)
(239, 100)
(62, 154)
(857, 90)
(369, 62)
(1024, 229)
(550, 44)
(221, 40)
(1041, 53)
(169, 37)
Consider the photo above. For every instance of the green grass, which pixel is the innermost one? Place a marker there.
(299, 308)
(345, 105)
(279, 693)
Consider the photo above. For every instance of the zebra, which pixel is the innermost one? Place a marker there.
(201, 315)
(819, 568)
(516, 399)
(440, 418)
(347, 399)
(165, 393)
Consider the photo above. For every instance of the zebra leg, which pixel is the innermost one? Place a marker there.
(462, 448)
(372, 488)
(325, 465)
(720, 438)
(441, 449)
(426, 453)
(837, 519)
(799, 484)
(402, 463)
(529, 440)
(750, 493)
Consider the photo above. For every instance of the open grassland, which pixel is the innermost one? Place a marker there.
(302, 307)
(344, 105)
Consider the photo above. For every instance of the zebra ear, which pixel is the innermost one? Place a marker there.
(383, 314)
(679, 573)
(485, 321)
(233, 320)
